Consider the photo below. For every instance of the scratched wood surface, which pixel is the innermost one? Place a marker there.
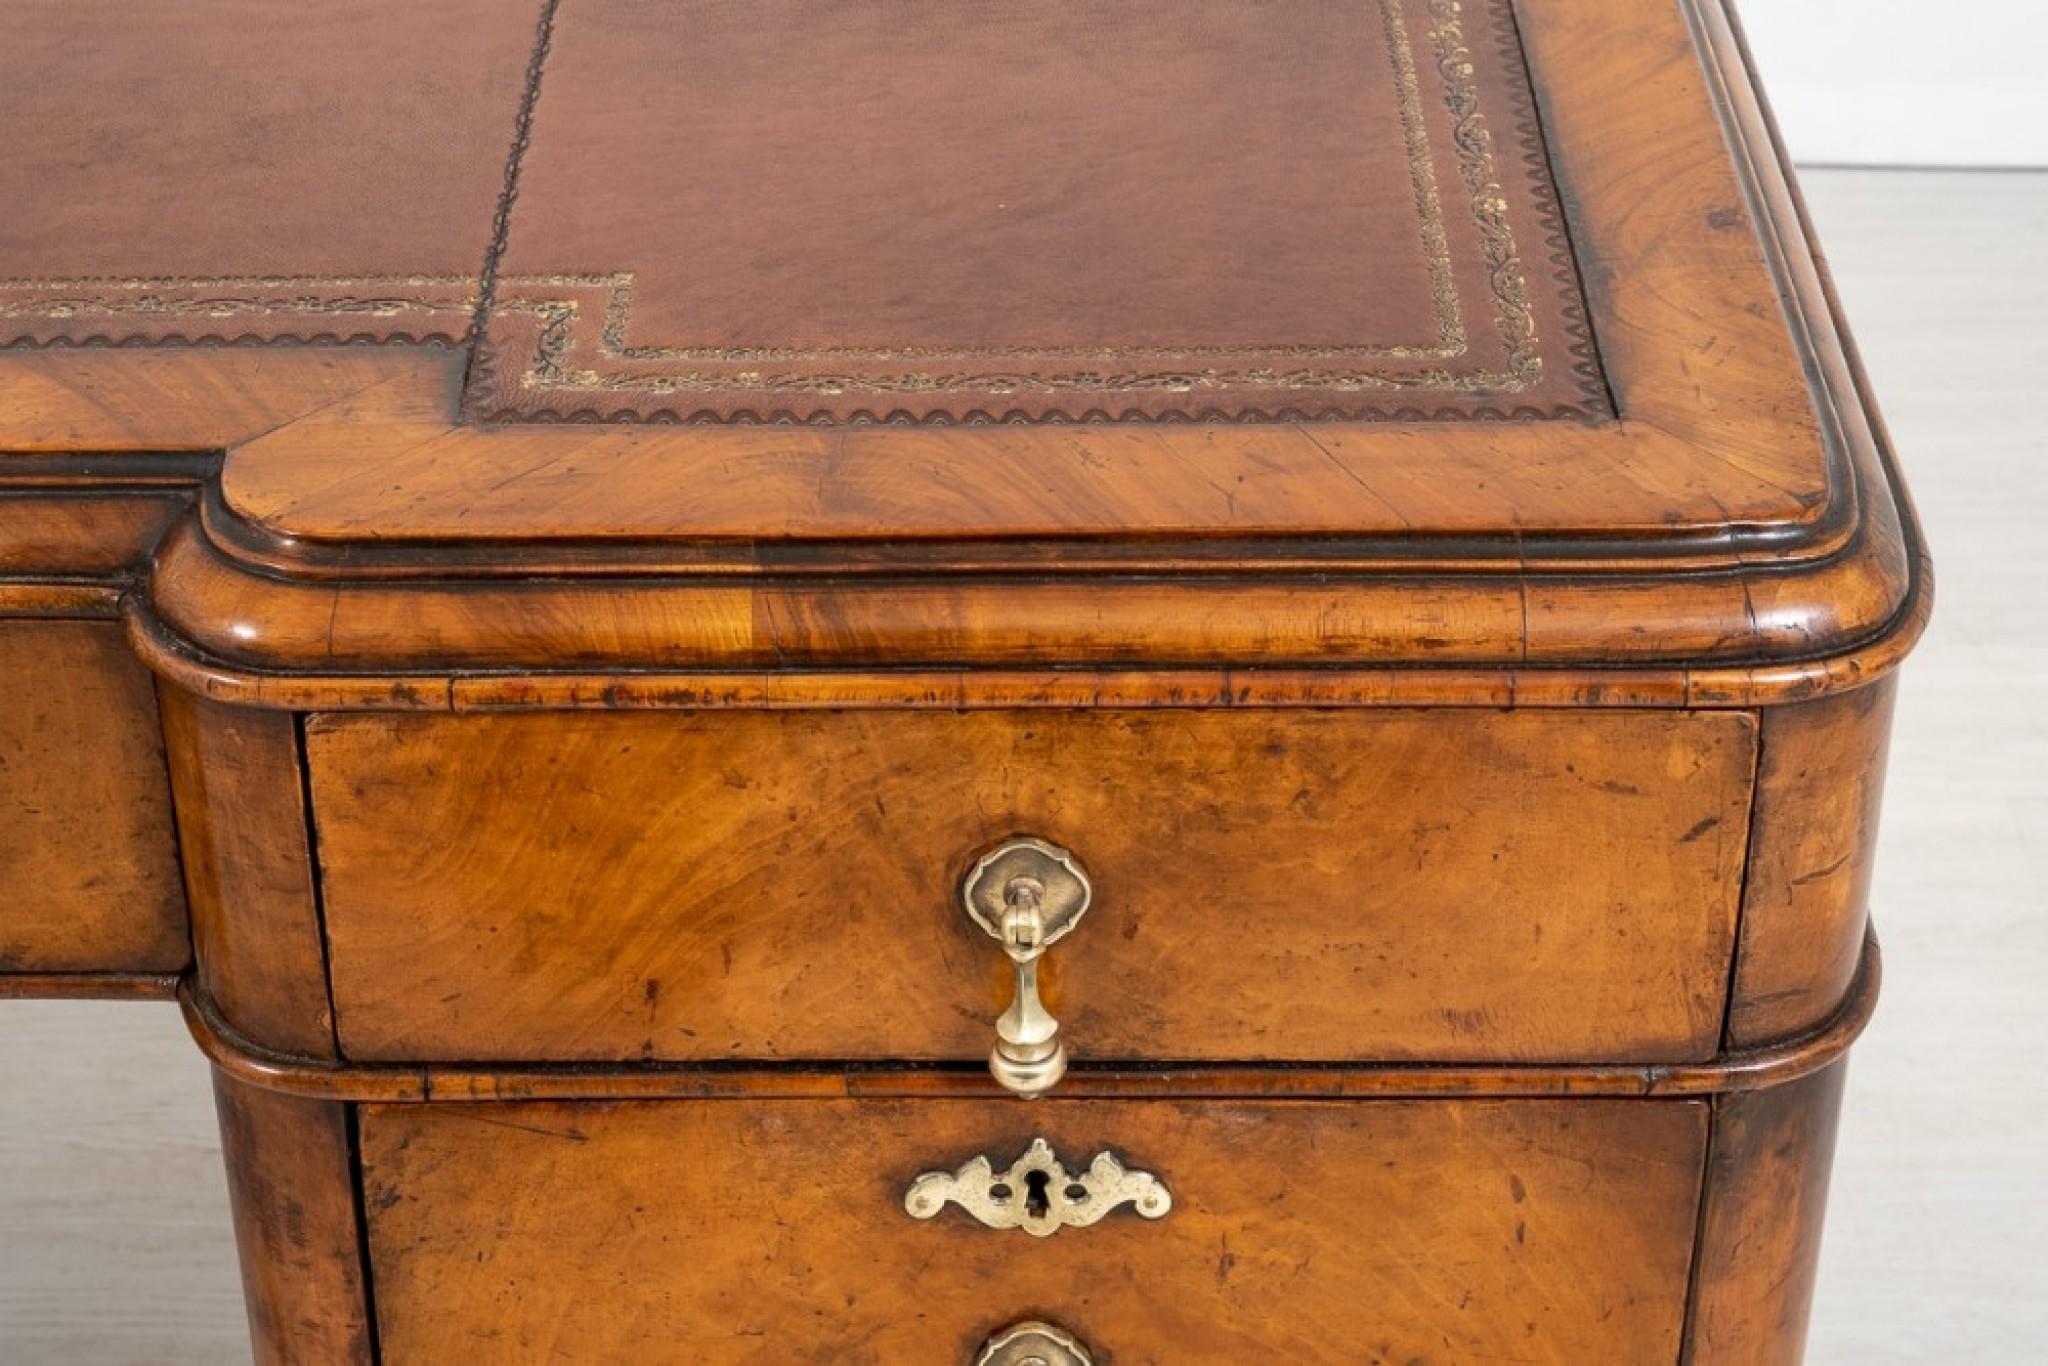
(1541, 1231)
(292, 1185)
(1762, 1213)
(1370, 885)
(248, 865)
(381, 536)
(88, 871)
(117, 1244)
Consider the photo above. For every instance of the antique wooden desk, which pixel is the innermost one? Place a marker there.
(652, 613)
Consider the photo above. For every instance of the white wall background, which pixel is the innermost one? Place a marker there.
(1906, 82)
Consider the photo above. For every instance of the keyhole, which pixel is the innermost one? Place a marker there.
(1036, 1201)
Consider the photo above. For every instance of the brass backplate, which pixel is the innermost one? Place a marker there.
(1063, 889)
(1034, 1344)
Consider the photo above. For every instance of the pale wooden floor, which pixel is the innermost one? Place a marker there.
(114, 1240)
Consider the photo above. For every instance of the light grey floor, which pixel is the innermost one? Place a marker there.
(114, 1239)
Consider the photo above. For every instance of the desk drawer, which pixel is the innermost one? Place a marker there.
(88, 861)
(1279, 885)
(777, 1232)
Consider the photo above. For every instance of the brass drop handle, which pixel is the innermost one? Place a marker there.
(1027, 895)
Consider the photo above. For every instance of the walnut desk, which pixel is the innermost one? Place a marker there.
(1090, 680)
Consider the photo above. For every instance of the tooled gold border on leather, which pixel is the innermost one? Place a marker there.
(239, 310)
(437, 309)
(551, 367)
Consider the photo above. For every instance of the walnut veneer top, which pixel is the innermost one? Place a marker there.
(1421, 332)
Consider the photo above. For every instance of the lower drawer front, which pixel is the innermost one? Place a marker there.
(776, 1232)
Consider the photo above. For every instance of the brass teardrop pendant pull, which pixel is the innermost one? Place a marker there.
(1027, 895)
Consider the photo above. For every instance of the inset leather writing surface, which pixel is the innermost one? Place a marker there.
(1737, 512)
(1055, 208)
(1718, 445)
(230, 169)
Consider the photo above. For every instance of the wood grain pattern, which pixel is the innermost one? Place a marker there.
(1656, 202)
(197, 399)
(1699, 259)
(412, 1083)
(848, 657)
(233, 620)
(407, 624)
(1441, 885)
(1457, 1231)
(248, 863)
(1937, 1261)
(90, 986)
(81, 534)
(1820, 784)
(293, 1190)
(88, 868)
(340, 561)
(862, 484)
(1706, 267)
(1766, 1196)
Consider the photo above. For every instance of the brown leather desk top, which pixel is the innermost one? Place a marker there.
(1137, 335)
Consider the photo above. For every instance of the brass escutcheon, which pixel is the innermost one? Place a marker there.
(1037, 1194)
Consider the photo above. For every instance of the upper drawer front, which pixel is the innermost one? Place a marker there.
(88, 869)
(1450, 885)
(1453, 885)
(742, 1232)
